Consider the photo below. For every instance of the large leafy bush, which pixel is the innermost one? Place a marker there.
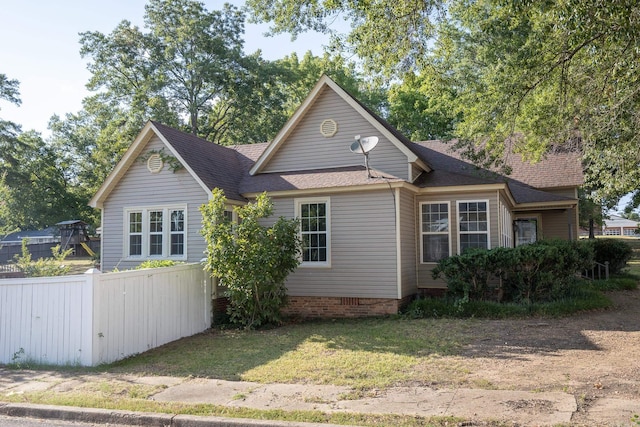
(541, 271)
(251, 261)
(614, 251)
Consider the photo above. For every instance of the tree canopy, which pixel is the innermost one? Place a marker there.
(541, 75)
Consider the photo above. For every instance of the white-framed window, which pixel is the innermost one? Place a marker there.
(435, 230)
(156, 232)
(473, 225)
(612, 231)
(315, 231)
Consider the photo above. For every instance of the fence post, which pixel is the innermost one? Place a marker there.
(90, 317)
(606, 270)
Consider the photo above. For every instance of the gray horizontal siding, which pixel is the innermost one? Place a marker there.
(140, 188)
(363, 249)
(306, 148)
(408, 246)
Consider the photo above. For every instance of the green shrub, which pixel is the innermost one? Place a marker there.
(157, 263)
(467, 275)
(43, 267)
(252, 261)
(614, 251)
(546, 270)
(538, 272)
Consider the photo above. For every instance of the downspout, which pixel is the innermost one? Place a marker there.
(398, 243)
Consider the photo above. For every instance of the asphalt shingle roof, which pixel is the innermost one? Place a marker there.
(215, 165)
(553, 171)
(228, 168)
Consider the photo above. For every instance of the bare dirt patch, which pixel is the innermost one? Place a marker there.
(592, 355)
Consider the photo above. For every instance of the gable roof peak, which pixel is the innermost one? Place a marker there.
(393, 135)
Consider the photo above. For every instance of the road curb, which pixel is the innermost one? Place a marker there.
(129, 418)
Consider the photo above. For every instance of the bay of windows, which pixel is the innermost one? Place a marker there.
(156, 233)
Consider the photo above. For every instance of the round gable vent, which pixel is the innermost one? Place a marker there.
(328, 128)
(155, 163)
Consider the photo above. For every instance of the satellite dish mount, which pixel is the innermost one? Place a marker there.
(364, 146)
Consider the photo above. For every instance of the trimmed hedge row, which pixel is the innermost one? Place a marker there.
(543, 271)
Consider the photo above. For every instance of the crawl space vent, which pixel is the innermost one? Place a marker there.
(155, 163)
(328, 128)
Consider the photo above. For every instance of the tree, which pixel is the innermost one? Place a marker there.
(269, 92)
(422, 107)
(183, 66)
(9, 131)
(37, 188)
(251, 261)
(6, 225)
(91, 142)
(390, 37)
(541, 75)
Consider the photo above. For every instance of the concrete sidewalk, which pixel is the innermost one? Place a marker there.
(521, 408)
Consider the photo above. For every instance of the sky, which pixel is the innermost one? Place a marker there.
(39, 47)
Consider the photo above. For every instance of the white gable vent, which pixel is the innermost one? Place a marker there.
(328, 128)
(155, 163)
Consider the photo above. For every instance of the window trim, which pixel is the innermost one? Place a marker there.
(146, 233)
(308, 200)
(423, 233)
(458, 221)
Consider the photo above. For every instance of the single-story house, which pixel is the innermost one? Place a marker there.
(616, 225)
(372, 231)
(47, 235)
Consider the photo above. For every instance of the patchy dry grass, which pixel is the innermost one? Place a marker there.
(364, 353)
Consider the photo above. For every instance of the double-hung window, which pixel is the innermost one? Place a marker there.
(473, 225)
(436, 241)
(156, 233)
(314, 231)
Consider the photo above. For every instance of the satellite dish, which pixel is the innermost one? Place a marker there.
(364, 146)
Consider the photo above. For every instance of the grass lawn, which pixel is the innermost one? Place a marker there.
(363, 353)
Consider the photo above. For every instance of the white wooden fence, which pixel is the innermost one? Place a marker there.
(98, 318)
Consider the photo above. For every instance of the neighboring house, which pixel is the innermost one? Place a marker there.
(48, 235)
(618, 226)
(370, 242)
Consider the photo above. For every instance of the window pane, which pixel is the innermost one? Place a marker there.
(473, 241)
(135, 222)
(435, 247)
(177, 244)
(155, 221)
(135, 245)
(155, 244)
(435, 218)
(177, 220)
